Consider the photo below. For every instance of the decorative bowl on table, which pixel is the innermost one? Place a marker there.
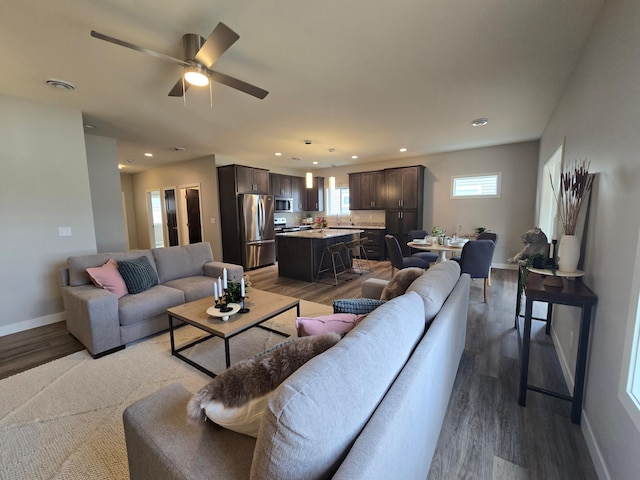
(224, 316)
(419, 241)
(458, 242)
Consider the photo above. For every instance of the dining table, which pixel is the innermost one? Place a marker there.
(436, 247)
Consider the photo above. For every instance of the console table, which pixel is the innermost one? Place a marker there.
(572, 293)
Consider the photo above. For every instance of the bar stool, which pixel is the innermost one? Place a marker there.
(354, 246)
(335, 251)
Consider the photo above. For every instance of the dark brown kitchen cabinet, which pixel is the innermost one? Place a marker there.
(251, 180)
(280, 185)
(404, 187)
(405, 195)
(299, 194)
(315, 196)
(367, 190)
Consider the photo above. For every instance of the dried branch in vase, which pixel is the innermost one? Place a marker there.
(575, 183)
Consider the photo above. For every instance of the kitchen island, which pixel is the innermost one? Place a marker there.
(299, 253)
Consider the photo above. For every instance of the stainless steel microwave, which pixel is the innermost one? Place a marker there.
(284, 204)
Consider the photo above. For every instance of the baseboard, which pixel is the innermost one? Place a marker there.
(31, 323)
(587, 432)
(594, 450)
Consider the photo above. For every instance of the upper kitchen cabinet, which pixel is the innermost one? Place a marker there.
(367, 190)
(404, 187)
(281, 185)
(251, 180)
(315, 196)
(299, 194)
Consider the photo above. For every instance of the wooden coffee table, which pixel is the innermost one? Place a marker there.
(263, 306)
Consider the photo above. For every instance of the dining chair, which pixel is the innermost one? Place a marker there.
(397, 260)
(476, 259)
(428, 256)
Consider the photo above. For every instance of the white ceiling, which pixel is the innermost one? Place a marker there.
(363, 77)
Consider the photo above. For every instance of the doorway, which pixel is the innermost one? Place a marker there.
(194, 224)
(172, 216)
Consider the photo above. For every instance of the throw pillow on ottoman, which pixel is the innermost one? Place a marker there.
(336, 323)
(236, 398)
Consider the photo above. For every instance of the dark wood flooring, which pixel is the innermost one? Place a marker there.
(486, 434)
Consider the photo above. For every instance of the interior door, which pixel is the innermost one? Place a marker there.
(192, 196)
(172, 217)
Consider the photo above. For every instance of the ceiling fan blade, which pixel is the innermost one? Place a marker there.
(238, 84)
(218, 42)
(122, 43)
(177, 91)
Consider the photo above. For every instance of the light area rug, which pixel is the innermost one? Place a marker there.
(63, 420)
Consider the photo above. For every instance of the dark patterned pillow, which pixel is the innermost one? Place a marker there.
(359, 306)
(138, 274)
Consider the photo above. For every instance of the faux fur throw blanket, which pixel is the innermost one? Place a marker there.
(258, 376)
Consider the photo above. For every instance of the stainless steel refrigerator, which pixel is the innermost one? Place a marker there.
(257, 235)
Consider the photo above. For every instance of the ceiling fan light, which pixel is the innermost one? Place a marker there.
(196, 76)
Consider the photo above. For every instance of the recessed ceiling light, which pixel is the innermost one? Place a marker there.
(177, 149)
(314, 162)
(480, 122)
(403, 149)
(354, 156)
(278, 154)
(148, 154)
(61, 84)
(120, 167)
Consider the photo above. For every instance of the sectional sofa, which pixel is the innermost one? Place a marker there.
(370, 407)
(105, 323)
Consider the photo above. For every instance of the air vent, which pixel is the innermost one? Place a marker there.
(61, 84)
(177, 149)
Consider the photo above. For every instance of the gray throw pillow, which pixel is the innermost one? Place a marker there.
(138, 274)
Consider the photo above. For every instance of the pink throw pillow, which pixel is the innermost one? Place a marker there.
(336, 323)
(108, 277)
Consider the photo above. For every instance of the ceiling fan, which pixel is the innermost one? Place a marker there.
(199, 56)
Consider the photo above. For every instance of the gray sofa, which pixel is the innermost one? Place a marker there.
(104, 323)
(370, 407)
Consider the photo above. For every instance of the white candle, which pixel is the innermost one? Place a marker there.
(215, 290)
(224, 278)
(242, 287)
(220, 286)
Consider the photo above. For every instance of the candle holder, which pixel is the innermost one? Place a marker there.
(243, 309)
(224, 306)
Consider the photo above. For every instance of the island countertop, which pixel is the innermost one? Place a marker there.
(321, 233)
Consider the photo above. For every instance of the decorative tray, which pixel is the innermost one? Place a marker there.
(215, 312)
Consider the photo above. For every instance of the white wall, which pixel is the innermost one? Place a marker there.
(509, 216)
(104, 181)
(598, 113)
(44, 185)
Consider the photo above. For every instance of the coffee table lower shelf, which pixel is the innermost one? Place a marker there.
(268, 306)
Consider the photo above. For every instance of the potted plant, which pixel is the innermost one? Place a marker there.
(439, 233)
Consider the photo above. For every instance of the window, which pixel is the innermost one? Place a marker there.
(474, 186)
(629, 392)
(338, 201)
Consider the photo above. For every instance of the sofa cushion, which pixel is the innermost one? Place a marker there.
(78, 265)
(155, 301)
(434, 287)
(182, 261)
(237, 397)
(336, 323)
(316, 414)
(400, 282)
(194, 288)
(108, 277)
(138, 274)
(359, 306)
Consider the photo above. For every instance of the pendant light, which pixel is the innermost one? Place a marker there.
(332, 178)
(309, 179)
